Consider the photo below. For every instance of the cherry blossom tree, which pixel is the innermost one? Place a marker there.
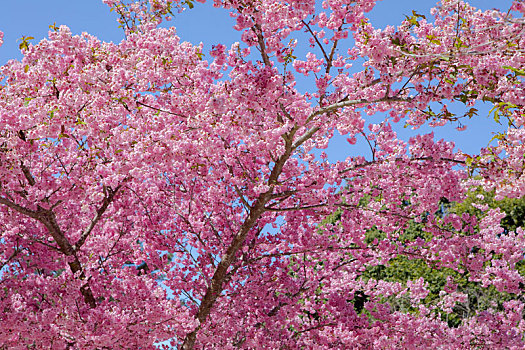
(154, 193)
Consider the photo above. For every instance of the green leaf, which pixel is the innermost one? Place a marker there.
(24, 45)
(495, 109)
(498, 136)
(433, 39)
(496, 116)
(472, 112)
(367, 37)
(413, 20)
(396, 41)
(53, 27)
(517, 71)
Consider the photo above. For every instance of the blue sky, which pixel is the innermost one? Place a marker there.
(211, 26)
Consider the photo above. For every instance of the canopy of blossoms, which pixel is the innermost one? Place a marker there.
(154, 193)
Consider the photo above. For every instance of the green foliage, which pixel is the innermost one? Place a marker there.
(403, 268)
(518, 72)
(189, 3)
(24, 42)
(414, 19)
(514, 208)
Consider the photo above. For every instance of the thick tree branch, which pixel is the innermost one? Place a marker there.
(333, 107)
(220, 275)
(216, 286)
(27, 174)
(18, 208)
(48, 219)
(108, 199)
(262, 46)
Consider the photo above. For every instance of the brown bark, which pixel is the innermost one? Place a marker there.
(256, 210)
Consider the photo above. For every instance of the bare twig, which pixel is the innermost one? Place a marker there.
(161, 110)
(414, 159)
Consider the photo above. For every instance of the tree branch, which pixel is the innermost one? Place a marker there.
(346, 103)
(27, 174)
(48, 219)
(258, 31)
(108, 199)
(316, 41)
(220, 275)
(295, 208)
(161, 110)
(338, 105)
(18, 208)
(363, 165)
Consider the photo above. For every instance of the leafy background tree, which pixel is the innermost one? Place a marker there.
(479, 298)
